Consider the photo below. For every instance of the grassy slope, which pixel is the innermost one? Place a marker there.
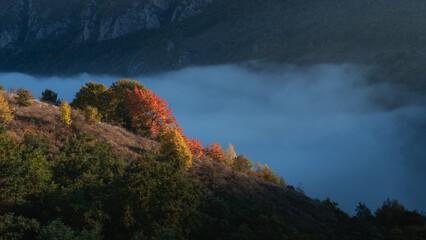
(293, 207)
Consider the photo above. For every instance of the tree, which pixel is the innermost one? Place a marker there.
(17, 227)
(117, 108)
(92, 115)
(174, 148)
(149, 112)
(242, 164)
(194, 146)
(65, 113)
(363, 212)
(230, 154)
(24, 97)
(94, 95)
(1, 87)
(49, 96)
(156, 196)
(214, 151)
(5, 111)
(25, 170)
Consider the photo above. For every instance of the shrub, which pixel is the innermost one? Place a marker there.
(5, 111)
(214, 151)
(24, 97)
(49, 96)
(92, 115)
(65, 113)
(174, 148)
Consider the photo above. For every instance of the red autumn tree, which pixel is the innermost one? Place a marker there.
(195, 146)
(149, 112)
(214, 151)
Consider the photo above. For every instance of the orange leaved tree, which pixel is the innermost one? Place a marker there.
(195, 146)
(214, 151)
(149, 112)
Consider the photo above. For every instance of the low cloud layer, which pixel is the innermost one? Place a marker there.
(322, 126)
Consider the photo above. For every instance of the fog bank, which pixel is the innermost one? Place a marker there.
(322, 126)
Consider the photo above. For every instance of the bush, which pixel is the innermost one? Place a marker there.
(5, 112)
(49, 96)
(65, 113)
(24, 97)
(92, 115)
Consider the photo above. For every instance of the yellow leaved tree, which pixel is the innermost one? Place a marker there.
(5, 111)
(65, 112)
(92, 115)
(174, 148)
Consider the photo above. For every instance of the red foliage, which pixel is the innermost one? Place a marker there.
(149, 111)
(195, 146)
(214, 151)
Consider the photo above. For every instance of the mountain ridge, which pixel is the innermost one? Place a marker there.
(113, 37)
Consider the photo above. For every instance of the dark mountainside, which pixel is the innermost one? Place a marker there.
(127, 38)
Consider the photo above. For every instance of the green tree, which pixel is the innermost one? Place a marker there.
(156, 195)
(117, 108)
(49, 96)
(24, 97)
(92, 94)
(84, 171)
(25, 170)
(17, 227)
(242, 164)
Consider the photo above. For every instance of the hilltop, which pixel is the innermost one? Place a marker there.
(290, 206)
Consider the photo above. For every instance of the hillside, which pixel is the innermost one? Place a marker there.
(294, 208)
(128, 38)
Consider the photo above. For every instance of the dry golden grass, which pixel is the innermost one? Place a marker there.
(43, 119)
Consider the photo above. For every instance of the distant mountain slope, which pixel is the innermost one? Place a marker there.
(141, 36)
(291, 206)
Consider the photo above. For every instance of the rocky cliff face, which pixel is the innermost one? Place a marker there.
(28, 21)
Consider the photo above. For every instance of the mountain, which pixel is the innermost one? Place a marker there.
(83, 179)
(133, 37)
(299, 213)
